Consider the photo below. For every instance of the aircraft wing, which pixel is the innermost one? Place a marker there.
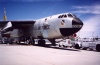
(6, 25)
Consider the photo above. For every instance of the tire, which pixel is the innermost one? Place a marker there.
(59, 45)
(27, 42)
(64, 46)
(32, 42)
(77, 46)
(98, 47)
(41, 42)
(10, 41)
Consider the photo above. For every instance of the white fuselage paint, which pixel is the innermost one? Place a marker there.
(53, 24)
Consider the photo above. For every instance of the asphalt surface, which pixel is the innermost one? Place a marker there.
(35, 55)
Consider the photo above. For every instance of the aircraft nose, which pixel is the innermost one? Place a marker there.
(77, 23)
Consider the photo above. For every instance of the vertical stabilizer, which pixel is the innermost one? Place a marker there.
(5, 18)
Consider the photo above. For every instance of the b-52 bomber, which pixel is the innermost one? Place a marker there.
(51, 28)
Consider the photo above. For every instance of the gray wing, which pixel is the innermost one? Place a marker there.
(15, 25)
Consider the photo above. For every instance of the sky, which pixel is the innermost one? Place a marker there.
(87, 10)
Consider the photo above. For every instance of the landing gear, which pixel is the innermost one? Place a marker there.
(52, 41)
(32, 41)
(98, 47)
(41, 42)
(29, 41)
(25, 40)
(10, 41)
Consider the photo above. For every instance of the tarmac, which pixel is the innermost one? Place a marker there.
(36, 55)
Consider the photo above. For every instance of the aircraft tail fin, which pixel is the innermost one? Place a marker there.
(5, 17)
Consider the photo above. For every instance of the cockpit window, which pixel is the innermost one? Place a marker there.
(70, 15)
(74, 15)
(65, 15)
(59, 16)
(62, 16)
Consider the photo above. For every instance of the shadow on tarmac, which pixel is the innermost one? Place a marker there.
(46, 46)
(54, 47)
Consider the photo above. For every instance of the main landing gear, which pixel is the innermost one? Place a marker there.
(41, 42)
(52, 41)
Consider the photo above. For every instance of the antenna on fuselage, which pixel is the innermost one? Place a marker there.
(5, 17)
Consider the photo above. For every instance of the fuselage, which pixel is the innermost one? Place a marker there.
(51, 28)
(57, 26)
